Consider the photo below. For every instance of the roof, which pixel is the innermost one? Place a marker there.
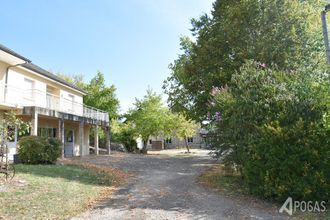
(50, 75)
(29, 65)
(6, 49)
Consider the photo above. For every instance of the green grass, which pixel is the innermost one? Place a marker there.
(51, 191)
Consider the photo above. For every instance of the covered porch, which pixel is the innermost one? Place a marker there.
(73, 131)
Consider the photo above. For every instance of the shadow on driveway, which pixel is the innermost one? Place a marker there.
(165, 187)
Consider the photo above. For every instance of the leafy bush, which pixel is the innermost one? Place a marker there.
(123, 133)
(289, 161)
(39, 150)
(127, 139)
(275, 129)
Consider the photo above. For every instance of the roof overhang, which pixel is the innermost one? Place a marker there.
(10, 59)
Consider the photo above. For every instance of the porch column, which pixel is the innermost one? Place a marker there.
(81, 137)
(107, 131)
(86, 139)
(34, 124)
(96, 139)
(61, 134)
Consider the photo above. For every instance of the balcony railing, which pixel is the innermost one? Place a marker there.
(16, 97)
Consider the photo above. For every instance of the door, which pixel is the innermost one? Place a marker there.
(68, 142)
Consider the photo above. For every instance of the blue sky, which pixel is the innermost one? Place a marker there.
(131, 42)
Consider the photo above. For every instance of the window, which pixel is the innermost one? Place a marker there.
(28, 87)
(150, 141)
(47, 132)
(49, 100)
(190, 140)
(69, 136)
(168, 141)
(71, 99)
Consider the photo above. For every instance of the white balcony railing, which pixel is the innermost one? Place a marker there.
(16, 97)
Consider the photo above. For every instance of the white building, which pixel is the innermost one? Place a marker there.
(53, 106)
(157, 143)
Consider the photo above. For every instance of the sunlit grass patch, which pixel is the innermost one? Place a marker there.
(52, 191)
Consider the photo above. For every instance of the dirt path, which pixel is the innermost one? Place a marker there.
(165, 187)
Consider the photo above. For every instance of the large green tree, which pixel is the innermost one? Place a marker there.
(101, 96)
(277, 33)
(76, 79)
(258, 68)
(185, 128)
(150, 117)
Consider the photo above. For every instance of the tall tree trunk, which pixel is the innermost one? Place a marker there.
(187, 146)
(144, 147)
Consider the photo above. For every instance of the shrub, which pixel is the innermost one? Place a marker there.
(39, 150)
(275, 129)
(126, 138)
(290, 155)
(123, 133)
(289, 161)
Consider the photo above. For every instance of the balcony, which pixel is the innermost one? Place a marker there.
(11, 96)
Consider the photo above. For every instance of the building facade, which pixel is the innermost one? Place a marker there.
(53, 106)
(159, 143)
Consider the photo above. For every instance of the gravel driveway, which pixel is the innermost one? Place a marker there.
(165, 187)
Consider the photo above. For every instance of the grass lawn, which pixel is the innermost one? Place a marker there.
(232, 185)
(52, 191)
